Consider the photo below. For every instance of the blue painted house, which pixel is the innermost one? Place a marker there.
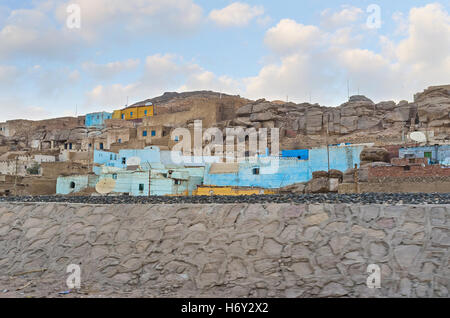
(438, 154)
(277, 172)
(73, 184)
(97, 120)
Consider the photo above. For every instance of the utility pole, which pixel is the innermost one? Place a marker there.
(15, 176)
(328, 146)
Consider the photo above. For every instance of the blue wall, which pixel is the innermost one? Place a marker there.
(111, 159)
(97, 119)
(289, 170)
(301, 154)
(81, 182)
(439, 153)
(129, 181)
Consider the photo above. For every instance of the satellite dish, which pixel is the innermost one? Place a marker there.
(418, 136)
(105, 186)
(133, 161)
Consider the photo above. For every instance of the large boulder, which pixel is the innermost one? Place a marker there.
(336, 174)
(319, 185)
(245, 110)
(319, 174)
(373, 154)
(294, 188)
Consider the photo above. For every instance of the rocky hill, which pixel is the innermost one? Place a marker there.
(301, 125)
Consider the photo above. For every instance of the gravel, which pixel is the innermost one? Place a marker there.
(364, 198)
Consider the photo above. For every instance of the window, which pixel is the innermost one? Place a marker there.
(114, 176)
(145, 112)
(177, 182)
(72, 185)
(120, 141)
(101, 145)
(141, 187)
(90, 145)
(131, 114)
(123, 116)
(65, 146)
(124, 160)
(98, 117)
(111, 157)
(70, 146)
(427, 154)
(144, 133)
(176, 138)
(153, 133)
(255, 171)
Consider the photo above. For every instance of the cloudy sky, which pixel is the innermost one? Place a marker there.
(300, 50)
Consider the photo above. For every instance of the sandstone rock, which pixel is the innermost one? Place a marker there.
(245, 110)
(333, 173)
(359, 98)
(374, 154)
(319, 174)
(259, 108)
(386, 105)
(318, 185)
(405, 254)
(262, 116)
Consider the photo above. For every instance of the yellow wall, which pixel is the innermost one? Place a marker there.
(138, 112)
(229, 191)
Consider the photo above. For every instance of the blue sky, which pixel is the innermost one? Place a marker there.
(289, 50)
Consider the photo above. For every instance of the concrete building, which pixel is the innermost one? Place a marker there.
(134, 112)
(97, 120)
(74, 184)
(135, 183)
(277, 172)
(436, 153)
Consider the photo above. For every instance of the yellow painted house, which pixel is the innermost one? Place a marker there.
(134, 112)
(230, 191)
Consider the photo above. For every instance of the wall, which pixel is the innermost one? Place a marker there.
(56, 169)
(208, 113)
(129, 181)
(227, 250)
(414, 171)
(63, 184)
(131, 113)
(439, 152)
(205, 190)
(97, 119)
(395, 185)
(288, 171)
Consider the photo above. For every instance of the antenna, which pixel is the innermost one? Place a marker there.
(348, 88)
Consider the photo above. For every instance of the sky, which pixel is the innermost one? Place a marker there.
(66, 58)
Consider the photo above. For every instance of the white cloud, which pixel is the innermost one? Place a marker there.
(162, 73)
(344, 17)
(311, 59)
(41, 31)
(236, 14)
(135, 17)
(288, 36)
(109, 70)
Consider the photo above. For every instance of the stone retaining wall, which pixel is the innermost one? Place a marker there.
(230, 250)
